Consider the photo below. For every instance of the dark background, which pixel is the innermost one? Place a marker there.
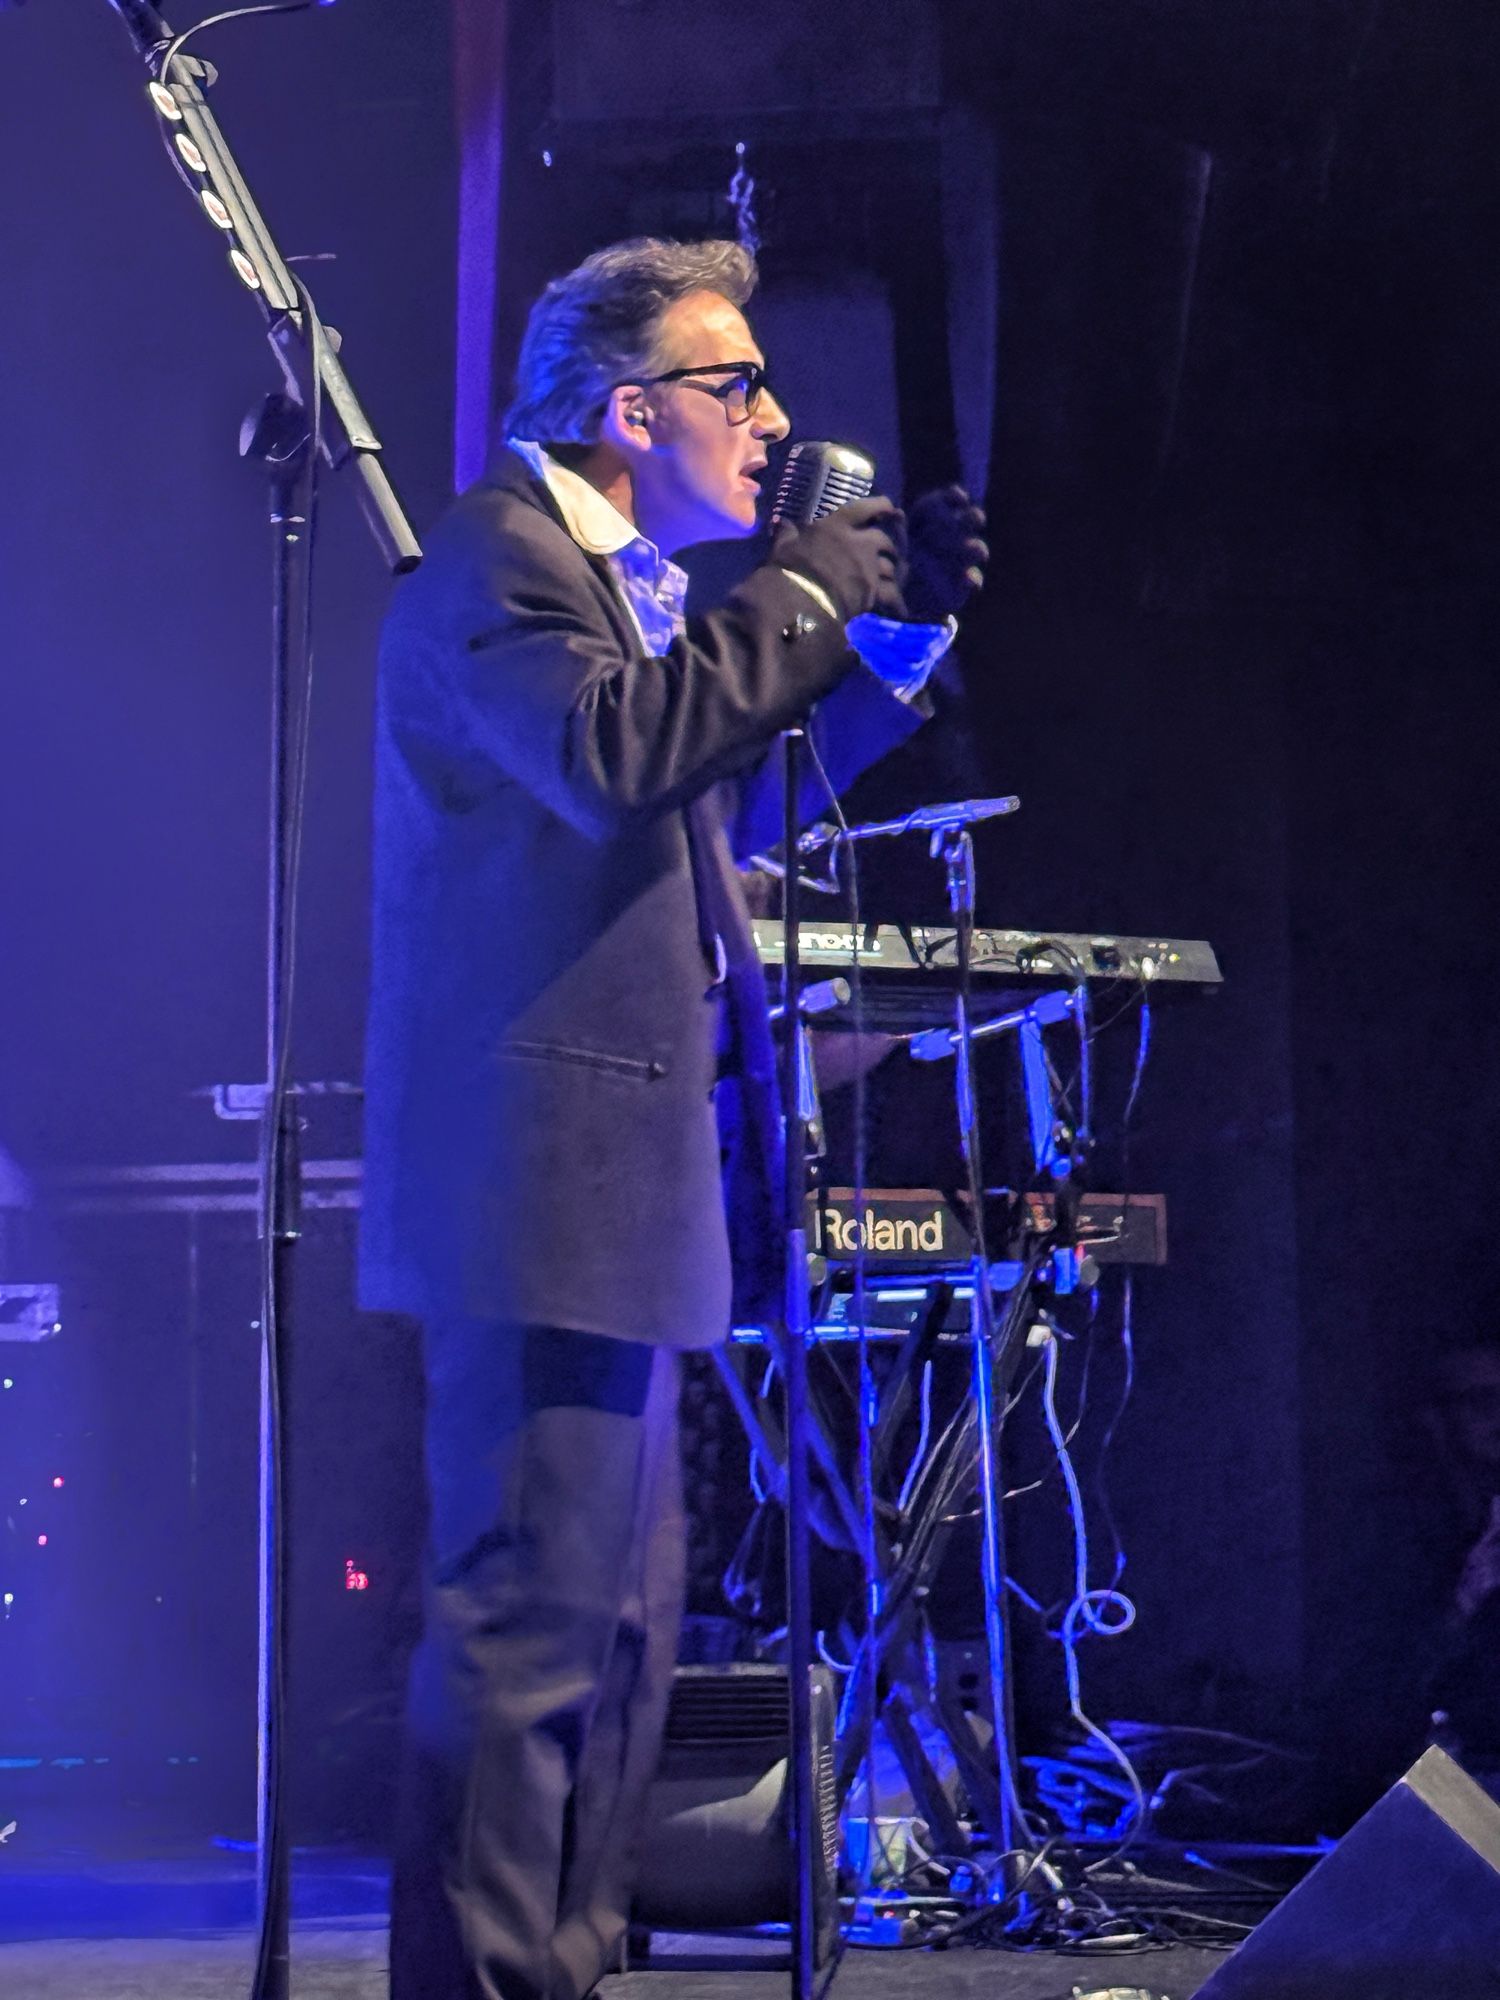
(1196, 290)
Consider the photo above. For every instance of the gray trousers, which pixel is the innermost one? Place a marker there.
(539, 1690)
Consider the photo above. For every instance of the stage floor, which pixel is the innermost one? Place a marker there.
(341, 1963)
(174, 1923)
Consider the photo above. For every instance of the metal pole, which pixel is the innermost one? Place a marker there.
(958, 854)
(277, 435)
(796, 1311)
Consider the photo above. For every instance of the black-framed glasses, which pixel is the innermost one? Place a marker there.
(741, 392)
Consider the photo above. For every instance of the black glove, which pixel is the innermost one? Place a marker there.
(947, 553)
(857, 554)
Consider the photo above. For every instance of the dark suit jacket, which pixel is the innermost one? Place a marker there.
(541, 1141)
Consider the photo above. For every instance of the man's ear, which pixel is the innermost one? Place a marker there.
(626, 423)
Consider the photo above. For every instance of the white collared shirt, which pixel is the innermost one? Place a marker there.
(654, 588)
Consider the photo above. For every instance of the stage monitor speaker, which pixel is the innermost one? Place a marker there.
(715, 1851)
(1407, 1905)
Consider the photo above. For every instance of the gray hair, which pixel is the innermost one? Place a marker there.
(601, 325)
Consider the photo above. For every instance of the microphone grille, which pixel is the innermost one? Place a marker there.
(817, 478)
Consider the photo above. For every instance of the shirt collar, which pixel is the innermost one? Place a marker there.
(594, 523)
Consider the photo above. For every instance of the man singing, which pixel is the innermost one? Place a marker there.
(567, 1038)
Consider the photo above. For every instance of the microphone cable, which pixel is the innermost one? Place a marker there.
(170, 51)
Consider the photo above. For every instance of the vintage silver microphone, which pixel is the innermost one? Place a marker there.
(817, 478)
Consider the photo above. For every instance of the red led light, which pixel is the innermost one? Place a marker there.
(354, 1579)
(58, 1480)
(41, 1541)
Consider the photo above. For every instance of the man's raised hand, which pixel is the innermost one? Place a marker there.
(946, 553)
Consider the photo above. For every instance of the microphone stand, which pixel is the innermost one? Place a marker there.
(938, 821)
(994, 1363)
(797, 1319)
(317, 415)
(992, 1368)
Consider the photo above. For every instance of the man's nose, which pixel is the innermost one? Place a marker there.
(770, 419)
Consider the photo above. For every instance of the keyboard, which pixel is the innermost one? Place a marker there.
(931, 952)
